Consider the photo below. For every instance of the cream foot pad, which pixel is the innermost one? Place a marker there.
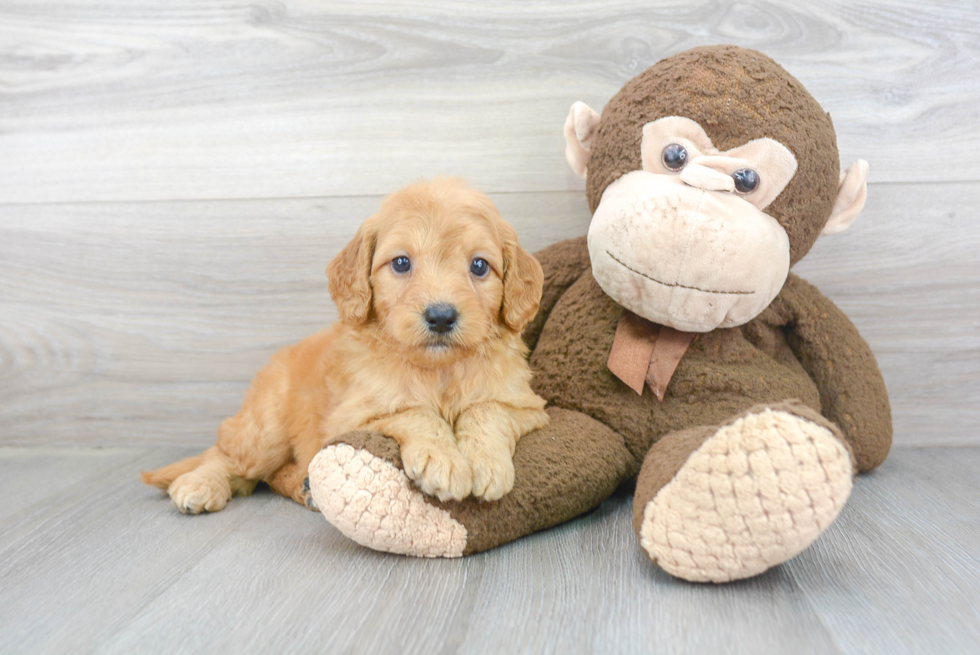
(375, 504)
(755, 494)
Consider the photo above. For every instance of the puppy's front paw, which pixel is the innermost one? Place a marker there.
(493, 469)
(439, 470)
(197, 491)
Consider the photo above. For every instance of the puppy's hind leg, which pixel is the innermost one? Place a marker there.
(198, 483)
(292, 480)
(207, 487)
(251, 446)
(163, 477)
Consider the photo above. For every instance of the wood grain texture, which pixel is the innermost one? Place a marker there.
(141, 323)
(915, 523)
(908, 274)
(106, 565)
(191, 99)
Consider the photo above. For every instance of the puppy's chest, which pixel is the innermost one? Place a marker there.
(449, 391)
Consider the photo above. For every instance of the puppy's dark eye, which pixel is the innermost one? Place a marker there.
(479, 267)
(674, 157)
(401, 264)
(746, 180)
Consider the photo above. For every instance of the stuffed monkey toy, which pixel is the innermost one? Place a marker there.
(673, 345)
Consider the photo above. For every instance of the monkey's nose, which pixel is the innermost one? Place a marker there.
(701, 175)
(441, 317)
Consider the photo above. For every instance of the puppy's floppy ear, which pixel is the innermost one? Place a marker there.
(523, 282)
(349, 276)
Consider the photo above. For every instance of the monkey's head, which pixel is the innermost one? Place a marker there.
(708, 176)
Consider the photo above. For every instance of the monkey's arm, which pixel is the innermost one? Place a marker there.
(563, 263)
(852, 391)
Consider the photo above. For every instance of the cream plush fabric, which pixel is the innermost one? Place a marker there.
(654, 247)
(375, 504)
(752, 496)
(580, 127)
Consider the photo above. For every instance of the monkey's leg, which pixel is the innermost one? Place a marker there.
(721, 503)
(562, 471)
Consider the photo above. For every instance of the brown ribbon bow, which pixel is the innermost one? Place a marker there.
(645, 352)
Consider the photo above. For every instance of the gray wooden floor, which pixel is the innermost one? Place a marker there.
(174, 177)
(91, 561)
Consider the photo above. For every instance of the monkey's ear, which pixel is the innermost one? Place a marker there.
(580, 127)
(349, 275)
(852, 191)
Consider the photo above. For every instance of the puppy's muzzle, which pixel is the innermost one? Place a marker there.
(441, 318)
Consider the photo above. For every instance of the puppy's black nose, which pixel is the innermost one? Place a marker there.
(441, 318)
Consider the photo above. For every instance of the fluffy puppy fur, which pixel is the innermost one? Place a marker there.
(429, 354)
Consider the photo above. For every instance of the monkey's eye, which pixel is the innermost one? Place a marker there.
(401, 264)
(674, 157)
(479, 267)
(746, 180)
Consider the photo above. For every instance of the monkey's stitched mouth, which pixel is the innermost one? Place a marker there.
(680, 286)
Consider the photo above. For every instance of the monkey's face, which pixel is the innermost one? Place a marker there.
(684, 234)
(685, 242)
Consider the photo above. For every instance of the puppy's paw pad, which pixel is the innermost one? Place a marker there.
(438, 470)
(195, 492)
(493, 472)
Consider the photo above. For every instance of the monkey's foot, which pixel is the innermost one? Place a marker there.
(751, 496)
(372, 501)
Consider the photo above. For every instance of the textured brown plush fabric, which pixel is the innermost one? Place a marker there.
(375, 443)
(736, 95)
(724, 372)
(852, 391)
(563, 471)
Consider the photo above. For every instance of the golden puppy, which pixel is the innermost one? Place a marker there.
(433, 293)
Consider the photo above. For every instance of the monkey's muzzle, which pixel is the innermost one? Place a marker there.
(683, 256)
